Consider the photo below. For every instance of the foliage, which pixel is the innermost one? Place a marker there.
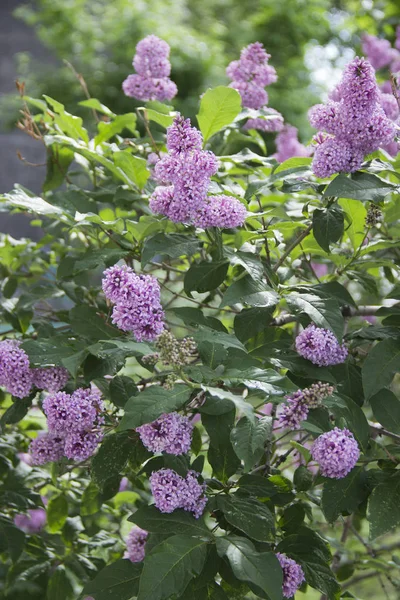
(242, 295)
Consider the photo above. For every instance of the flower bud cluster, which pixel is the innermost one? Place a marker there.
(250, 75)
(137, 302)
(355, 123)
(151, 80)
(320, 346)
(73, 422)
(374, 215)
(171, 491)
(175, 352)
(185, 174)
(299, 404)
(18, 378)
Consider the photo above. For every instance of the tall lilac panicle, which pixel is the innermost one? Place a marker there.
(170, 433)
(47, 447)
(135, 544)
(333, 156)
(151, 80)
(51, 379)
(182, 138)
(221, 211)
(288, 145)
(293, 575)
(15, 373)
(336, 453)
(320, 346)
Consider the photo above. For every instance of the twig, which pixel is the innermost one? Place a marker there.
(84, 87)
(292, 246)
(382, 431)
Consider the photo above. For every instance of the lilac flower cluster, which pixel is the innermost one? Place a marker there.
(293, 575)
(336, 453)
(73, 421)
(17, 376)
(288, 145)
(320, 346)
(170, 433)
(135, 544)
(250, 75)
(299, 404)
(354, 125)
(185, 174)
(151, 81)
(137, 302)
(33, 521)
(171, 491)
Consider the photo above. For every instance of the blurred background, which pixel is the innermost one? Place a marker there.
(309, 42)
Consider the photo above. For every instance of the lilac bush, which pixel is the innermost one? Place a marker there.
(198, 391)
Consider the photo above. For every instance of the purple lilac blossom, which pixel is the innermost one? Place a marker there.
(32, 522)
(320, 346)
(275, 123)
(170, 433)
(80, 445)
(135, 544)
(293, 575)
(116, 282)
(221, 211)
(300, 402)
(124, 484)
(46, 448)
(378, 51)
(171, 491)
(288, 145)
(51, 379)
(336, 453)
(15, 373)
(151, 81)
(355, 120)
(67, 413)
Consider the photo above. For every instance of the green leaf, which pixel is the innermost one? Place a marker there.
(381, 364)
(218, 108)
(325, 312)
(134, 167)
(85, 321)
(173, 245)
(248, 261)
(384, 508)
(151, 403)
(386, 408)
(217, 337)
(361, 186)
(162, 119)
(337, 290)
(121, 389)
(11, 539)
(112, 457)
(20, 199)
(91, 500)
(345, 408)
(57, 513)
(205, 276)
(221, 455)
(59, 586)
(328, 226)
(251, 321)
(248, 291)
(249, 515)
(244, 408)
(310, 550)
(95, 104)
(119, 581)
(356, 213)
(343, 495)
(17, 410)
(58, 160)
(95, 258)
(152, 520)
(260, 569)
(114, 127)
(248, 439)
(170, 566)
(195, 317)
(69, 124)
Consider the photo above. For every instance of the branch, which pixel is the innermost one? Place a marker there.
(292, 246)
(379, 430)
(347, 311)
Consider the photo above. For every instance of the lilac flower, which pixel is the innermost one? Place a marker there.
(269, 125)
(336, 452)
(32, 522)
(171, 433)
(253, 96)
(151, 81)
(221, 211)
(46, 448)
(390, 106)
(135, 544)
(300, 402)
(171, 491)
(116, 282)
(80, 445)
(288, 145)
(67, 413)
(356, 122)
(123, 485)
(182, 138)
(15, 372)
(320, 346)
(293, 575)
(378, 51)
(51, 379)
